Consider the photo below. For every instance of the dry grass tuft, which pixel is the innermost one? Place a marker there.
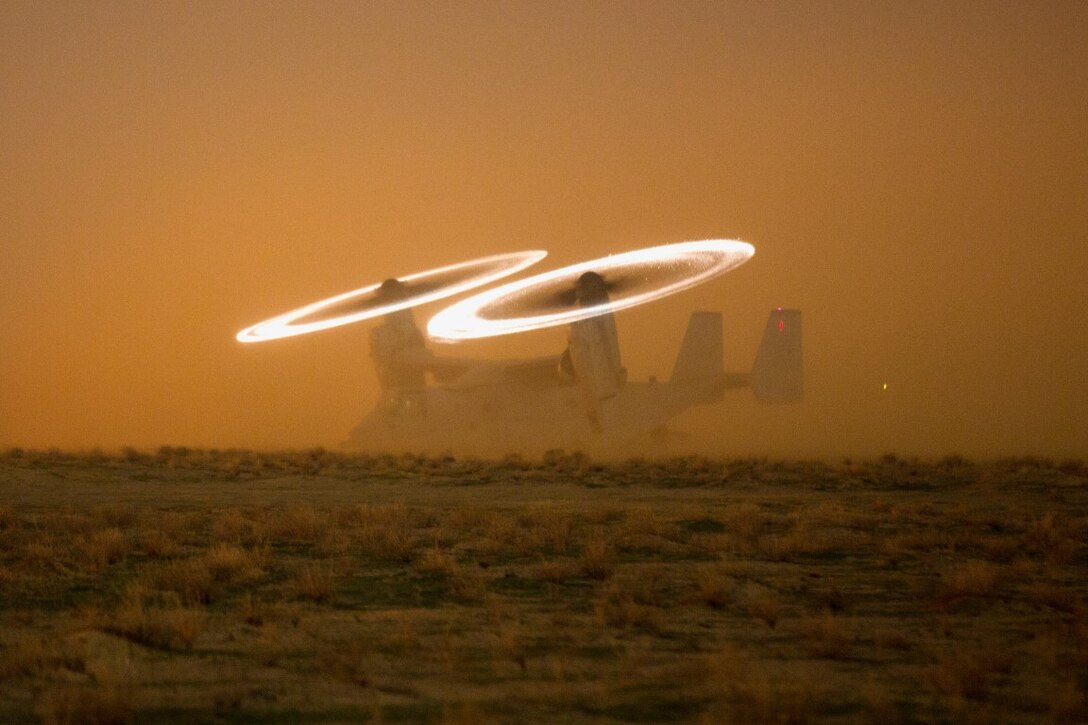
(465, 583)
(617, 606)
(43, 554)
(714, 589)
(312, 583)
(184, 527)
(297, 523)
(596, 561)
(546, 528)
(437, 561)
(231, 526)
(468, 585)
(157, 544)
(105, 547)
(643, 521)
(190, 579)
(331, 543)
(228, 563)
(382, 532)
(164, 627)
(744, 524)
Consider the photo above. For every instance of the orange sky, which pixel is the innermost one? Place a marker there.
(914, 176)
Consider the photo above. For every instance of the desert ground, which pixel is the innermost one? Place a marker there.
(187, 585)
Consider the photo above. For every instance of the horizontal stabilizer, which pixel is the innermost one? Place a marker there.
(777, 373)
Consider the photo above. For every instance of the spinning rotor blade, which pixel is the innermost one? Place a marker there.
(389, 296)
(374, 303)
(546, 300)
(588, 289)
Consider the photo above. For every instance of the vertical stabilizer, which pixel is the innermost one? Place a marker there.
(700, 357)
(777, 373)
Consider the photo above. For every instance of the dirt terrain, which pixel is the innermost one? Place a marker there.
(219, 586)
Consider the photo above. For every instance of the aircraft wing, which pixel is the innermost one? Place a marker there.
(468, 373)
(447, 369)
(532, 364)
(444, 369)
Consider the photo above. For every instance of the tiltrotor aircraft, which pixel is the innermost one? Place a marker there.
(580, 398)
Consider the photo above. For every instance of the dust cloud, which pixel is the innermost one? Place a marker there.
(913, 177)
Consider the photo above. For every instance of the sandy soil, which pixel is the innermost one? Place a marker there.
(185, 585)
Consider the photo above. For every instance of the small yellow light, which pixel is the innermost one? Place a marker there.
(885, 386)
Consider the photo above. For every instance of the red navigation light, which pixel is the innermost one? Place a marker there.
(781, 325)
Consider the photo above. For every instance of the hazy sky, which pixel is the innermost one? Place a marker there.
(914, 177)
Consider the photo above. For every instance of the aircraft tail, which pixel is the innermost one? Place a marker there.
(700, 357)
(777, 373)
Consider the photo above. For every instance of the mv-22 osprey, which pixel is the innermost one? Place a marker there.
(578, 399)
